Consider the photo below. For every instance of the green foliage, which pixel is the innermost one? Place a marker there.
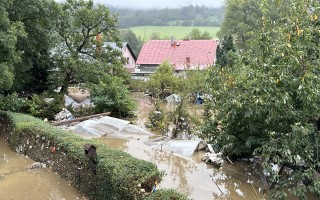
(193, 81)
(158, 120)
(46, 106)
(166, 194)
(111, 95)
(138, 86)
(268, 102)
(163, 82)
(186, 15)
(196, 34)
(14, 103)
(31, 74)
(134, 42)
(225, 52)
(241, 19)
(180, 119)
(118, 173)
(76, 54)
(9, 33)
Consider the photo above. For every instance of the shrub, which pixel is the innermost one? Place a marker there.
(166, 194)
(158, 121)
(46, 106)
(111, 95)
(14, 103)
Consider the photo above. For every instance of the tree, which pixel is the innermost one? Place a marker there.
(225, 52)
(31, 74)
(241, 20)
(77, 23)
(111, 95)
(135, 43)
(9, 33)
(163, 82)
(268, 104)
(196, 34)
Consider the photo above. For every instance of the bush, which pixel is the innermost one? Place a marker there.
(157, 118)
(111, 95)
(118, 175)
(46, 106)
(166, 194)
(138, 86)
(14, 103)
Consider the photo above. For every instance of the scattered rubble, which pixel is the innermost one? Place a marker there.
(213, 158)
(38, 165)
(64, 115)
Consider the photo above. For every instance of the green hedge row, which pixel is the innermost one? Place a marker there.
(118, 175)
(166, 194)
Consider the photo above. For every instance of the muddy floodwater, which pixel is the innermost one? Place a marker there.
(19, 182)
(193, 177)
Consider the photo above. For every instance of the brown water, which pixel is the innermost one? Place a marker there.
(190, 175)
(193, 177)
(19, 182)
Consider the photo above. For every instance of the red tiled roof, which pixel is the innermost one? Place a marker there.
(199, 53)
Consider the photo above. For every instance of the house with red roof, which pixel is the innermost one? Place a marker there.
(182, 54)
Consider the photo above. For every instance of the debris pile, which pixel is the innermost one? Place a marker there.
(38, 165)
(213, 158)
(64, 115)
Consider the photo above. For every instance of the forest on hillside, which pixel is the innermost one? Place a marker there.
(184, 16)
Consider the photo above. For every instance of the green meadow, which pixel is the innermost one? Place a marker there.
(165, 32)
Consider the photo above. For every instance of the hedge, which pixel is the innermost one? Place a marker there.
(112, 174)
(166, 194)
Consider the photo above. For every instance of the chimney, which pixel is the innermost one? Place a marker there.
(172, 41)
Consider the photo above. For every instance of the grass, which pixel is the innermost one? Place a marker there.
(165, 32)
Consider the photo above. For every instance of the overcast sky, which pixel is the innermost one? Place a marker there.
(159, 3)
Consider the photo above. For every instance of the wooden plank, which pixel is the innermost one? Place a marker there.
(80, 119)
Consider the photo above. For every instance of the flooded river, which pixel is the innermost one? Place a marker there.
(19, 182)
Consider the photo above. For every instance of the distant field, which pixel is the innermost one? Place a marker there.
(165, 32)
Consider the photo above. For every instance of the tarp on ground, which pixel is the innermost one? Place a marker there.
(108, 125)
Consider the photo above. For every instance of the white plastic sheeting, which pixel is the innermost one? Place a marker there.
(183, 147)
(107, 126)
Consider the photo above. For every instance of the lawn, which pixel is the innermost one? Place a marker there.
(165, 32)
